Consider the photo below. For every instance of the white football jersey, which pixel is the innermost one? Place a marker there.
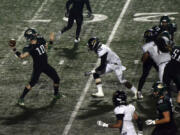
(146, 46)
(112, 57)
(128, 111)
(158, 56)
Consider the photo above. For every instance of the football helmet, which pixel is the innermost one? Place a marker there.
(119, 98)
(149, 35)
(163, 43)
(30, 34)
(159, 89)
(93, 43)
(164, 21)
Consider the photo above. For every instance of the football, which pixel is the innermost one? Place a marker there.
(12, 42)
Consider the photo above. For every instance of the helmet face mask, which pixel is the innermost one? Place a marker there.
(119, 98)
(148, 35)
(30, 34)
(159, 90)
(93, 43)
(164, 21)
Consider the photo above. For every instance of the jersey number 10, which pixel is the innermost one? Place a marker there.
(41, 50)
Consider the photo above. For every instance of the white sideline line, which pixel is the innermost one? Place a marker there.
(22, 33)
(83, 94)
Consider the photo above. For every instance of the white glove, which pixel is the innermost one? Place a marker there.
(150, 122)
(140, 133)
(101, 124)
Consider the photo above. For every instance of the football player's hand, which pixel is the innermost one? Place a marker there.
(51, 36)
(12, 43)
(150, 122)
(67, 14)
(89, 14)
(140, 133)
(89, 73)
(102, 124)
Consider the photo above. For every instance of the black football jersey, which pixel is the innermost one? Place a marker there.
(77, 6)
(164, 105)
(38, 52)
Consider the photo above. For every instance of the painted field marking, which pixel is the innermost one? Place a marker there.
(61, 62)
(25, 62)
(152, 17)
(96, 18)
(85, 90)
(22, 33)
(39, 20)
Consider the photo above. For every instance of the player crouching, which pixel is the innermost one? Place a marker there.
(110, 61)
(37, 49)
(124, 113)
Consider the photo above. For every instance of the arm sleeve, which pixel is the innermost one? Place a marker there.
(120, 116)
(68, 3)
(27, 49)
(163, 107)
(88, 6)
(103, 63)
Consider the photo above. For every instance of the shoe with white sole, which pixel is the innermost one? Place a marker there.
(97, 94)
(139, 95)
(77, 40)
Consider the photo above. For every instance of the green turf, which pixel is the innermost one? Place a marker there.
(41, 115)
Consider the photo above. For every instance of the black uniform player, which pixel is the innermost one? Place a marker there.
(172, 72)
(75, 13)
(37, 49)
(165, 124)
(149, 36)
(166, 25)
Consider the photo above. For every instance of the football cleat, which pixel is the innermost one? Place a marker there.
(21, 102)
(97, 95)
(139, 95)
(57, 96)
(77, 40)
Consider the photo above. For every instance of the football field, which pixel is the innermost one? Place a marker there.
(117, 23)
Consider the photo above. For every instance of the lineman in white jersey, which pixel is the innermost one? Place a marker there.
(153, 50)
(124, 113)
(110, 61)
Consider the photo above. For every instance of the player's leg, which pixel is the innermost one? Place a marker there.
(146, 68)
(51, 72)
(119, 74)
(98, 82)
(68, 26)
(34, 79)
(161, 71)
(79, 21)
(177, 82)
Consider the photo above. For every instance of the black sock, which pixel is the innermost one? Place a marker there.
(24, 93)
(56, 90)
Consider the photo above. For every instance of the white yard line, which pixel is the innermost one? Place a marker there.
(85, 90)
(22, 33)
